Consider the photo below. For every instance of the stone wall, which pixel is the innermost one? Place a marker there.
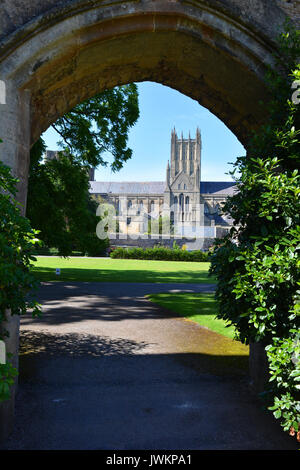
(199, 244)
(291, 8)
(16, 13)
(148, 242)
(52, 50)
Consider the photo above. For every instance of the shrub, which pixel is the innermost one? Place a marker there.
(284, 359)
(257, 264)
(159, 253)
(16, 242)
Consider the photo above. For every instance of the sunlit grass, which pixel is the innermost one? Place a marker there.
(200, 308)
(120, 270)
(214, 344)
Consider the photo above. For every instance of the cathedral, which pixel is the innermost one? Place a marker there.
(193, 207)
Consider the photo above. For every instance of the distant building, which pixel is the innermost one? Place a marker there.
(54, 155)
(188, 202)
(51, 155)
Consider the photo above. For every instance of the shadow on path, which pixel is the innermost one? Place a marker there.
(65, 302)
(88, 392)
(94, 376)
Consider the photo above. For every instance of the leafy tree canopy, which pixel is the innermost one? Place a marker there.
(59, 204)
(101, 124)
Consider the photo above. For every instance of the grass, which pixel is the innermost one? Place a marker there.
(200, 308)
(216, 350)
(213, 349)
(120, 270)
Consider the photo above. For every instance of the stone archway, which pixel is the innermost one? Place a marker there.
(55, 54)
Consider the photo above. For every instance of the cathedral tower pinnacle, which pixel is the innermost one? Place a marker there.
(185, 155)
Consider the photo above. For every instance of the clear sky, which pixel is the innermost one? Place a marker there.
(162, 108)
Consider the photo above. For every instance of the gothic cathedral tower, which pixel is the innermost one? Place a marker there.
(186, 157)
(183, 180)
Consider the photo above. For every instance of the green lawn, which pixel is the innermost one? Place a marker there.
(216, 350)
(216, 353)
(200, 308)
(120, 270)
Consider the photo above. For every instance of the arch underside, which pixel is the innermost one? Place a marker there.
(54, 55)
(215, 79)
(208, 50)
(200, 52)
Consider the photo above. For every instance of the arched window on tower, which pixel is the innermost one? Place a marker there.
(187, 203)
(140, 207)
(118, 207)
(181, 202)
(152, 206)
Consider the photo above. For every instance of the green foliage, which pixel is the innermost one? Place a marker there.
(158, 226)
(59, 204)
(159, 253)
(17, 240)
(284, 360)
(60, 207)
(101, 124)
(7, 379)
(257, 264)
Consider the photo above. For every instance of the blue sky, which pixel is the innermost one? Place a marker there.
(162, 108)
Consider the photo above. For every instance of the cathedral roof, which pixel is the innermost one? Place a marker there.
(217, 187)
(136, 187)
(157, 187)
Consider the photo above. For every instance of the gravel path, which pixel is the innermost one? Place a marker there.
(104, 368)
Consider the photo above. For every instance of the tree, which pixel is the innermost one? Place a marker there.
(100, 124)
(59, 204)
(257, 264)
(16, 241)
(158, 226)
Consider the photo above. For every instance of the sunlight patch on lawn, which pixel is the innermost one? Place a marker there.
(200, 308)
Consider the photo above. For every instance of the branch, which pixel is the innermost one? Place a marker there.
(62, 136)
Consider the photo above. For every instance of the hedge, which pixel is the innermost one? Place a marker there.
(159, 253)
